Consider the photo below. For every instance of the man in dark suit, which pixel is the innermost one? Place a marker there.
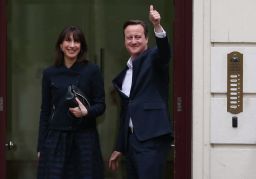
(145, 128)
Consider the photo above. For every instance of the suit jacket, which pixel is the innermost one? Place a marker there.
(147, 104)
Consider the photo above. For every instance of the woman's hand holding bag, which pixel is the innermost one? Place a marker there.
(79, 111)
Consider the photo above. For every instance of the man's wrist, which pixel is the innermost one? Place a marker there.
(159, 31)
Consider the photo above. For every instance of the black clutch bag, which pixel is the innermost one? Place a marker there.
(74, 92)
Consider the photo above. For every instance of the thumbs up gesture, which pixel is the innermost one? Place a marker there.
(154, 16)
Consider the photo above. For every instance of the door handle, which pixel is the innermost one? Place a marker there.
(10, 145)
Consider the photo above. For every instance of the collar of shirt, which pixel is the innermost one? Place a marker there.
(127, 82)
(129, 63)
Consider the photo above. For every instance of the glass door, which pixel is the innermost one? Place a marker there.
(33, 26)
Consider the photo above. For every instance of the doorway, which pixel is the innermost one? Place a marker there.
(33, 26)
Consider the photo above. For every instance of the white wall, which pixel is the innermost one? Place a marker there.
(221, 151)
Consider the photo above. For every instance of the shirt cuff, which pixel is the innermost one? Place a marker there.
(160, 34)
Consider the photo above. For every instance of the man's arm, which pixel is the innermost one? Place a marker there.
(161, 40)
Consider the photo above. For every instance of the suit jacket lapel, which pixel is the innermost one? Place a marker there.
(118, 81)
(137, 69)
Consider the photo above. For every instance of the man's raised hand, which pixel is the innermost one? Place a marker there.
(154, 16)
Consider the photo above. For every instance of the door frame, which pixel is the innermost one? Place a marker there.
(3, 85)
(182, 87)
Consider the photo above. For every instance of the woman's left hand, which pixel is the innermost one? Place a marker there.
(79, 111)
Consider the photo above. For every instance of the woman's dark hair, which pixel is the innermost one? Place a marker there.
(78, 37)
(137, 22)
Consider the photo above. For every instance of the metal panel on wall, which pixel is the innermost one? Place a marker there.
(227, 127)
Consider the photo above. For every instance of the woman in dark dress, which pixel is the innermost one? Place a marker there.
(68, 142)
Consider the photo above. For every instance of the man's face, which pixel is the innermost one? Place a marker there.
(135, 40)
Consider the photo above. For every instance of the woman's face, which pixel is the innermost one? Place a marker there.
(70, 48)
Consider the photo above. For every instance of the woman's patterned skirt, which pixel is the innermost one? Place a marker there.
(71, 155)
